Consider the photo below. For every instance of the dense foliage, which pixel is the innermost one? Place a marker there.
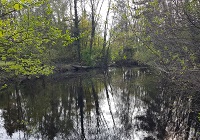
(27, 37)
(37, 35)
(163, 34)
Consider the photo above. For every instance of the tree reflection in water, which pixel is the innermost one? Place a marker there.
(117, 104)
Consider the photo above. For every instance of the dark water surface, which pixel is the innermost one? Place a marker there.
(120, 104)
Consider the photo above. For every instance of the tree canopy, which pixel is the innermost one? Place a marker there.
(37, 35)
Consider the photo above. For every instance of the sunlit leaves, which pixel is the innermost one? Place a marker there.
(1, 33)
(158, 20)
(24, 40)
(1, 30)
(17, 6)
(29, 67)
(48, 9)
(3, 58)
(3, 1)
(1, 22)
(154, 3)
(27, 38)
(26, 1)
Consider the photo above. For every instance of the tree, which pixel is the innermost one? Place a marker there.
(77, 31)
(163, 28)
(92, 2)
(25, 37)
(104, 51)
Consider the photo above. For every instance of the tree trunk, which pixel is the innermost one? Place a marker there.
(93, 27)
(104, 52)
(77, 31)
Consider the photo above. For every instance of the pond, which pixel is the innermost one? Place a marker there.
(118, 104)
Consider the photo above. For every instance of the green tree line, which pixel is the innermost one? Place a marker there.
(27, 36)
(163, 34)
(36, 35)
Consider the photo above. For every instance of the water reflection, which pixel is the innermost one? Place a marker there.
(129, 104)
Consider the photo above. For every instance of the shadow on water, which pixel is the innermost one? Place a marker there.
(129, 104)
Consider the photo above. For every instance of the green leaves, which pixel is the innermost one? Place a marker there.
(1, 33)
(29, 67)
(25, 1)
(17, 6)
(1, 30)
(3, 2)
(154, 3)
(4, 87)
(158, 20)
(24, 41)
(3, 58)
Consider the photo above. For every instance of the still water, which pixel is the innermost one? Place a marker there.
(119, 104)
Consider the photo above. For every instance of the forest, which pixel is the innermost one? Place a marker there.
(36, 36)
